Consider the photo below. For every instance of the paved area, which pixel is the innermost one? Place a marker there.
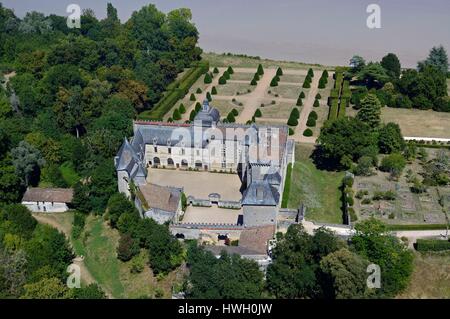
(198, 184)
(211, 215)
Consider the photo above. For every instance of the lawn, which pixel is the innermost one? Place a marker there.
(430, 278)
(419, 123)
(99, 250)
(225, 106)
(69, 174)
(288, 91)
(280, 110)
(317, 189)
(221, 60)
(231, 88)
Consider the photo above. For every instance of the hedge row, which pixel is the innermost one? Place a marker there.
(432, 245)
(417, 227)
(347, 195)
(176, 91)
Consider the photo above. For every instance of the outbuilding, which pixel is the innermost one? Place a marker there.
(48, 200)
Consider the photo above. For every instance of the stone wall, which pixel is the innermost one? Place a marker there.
(46, 207)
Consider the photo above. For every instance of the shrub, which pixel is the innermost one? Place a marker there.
(208, 97)
(216, 70)
(311, 73)
(230, 118)
(432, 245)
(274, 82)
(316, 103)
(138, 263)
(207, 79)
(198, 107)
(313, 115)
(199, 91)
(366, 201)
(307, 84)
(291, 131)
(308, 132)
(311, 123)
(260, 70)
(182, 108)
(222, 80)
(192, 97)
(394, 164)
(302, 95)
(279, 72)
(226, 75)
(128, 247)
(318, 96)
(213, 90)
(256, 77)
(230, 70)
(322, 83)
(176, 115)
(258, 113)
(299, 102)
(295, 113)
(235, 112)
(253, 82)
(192, 115)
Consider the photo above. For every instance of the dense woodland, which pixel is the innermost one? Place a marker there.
(67, 101)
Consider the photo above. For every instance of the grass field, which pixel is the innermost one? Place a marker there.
(431, 277)
(225, 106)
(221, 60)
(419, 123)
(280, 110)
(318, 190)
(231, 88)
(99, 251)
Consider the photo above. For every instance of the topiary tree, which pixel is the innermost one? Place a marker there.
(207, 79)
(235, 112)
(192, 115)
(198, 107)
(293, 119)
(253, 82)
(182, 108)
(311, 73)
(192, 97)
(302, 95)
(279, 72)
(213, 90)
(256, 77)
(291, 131)
(318, 96)
(325, 74)
(226, 75)
(258, 113)
(370, 111)
(216, 70)
(230, 70)
(295, 113)
(311, 122)
(208, 97)
(274, 82)
(308, 132)
(222, 80)
(316, 103)
(313, 115)
(260, 70)
(170, 120)
(307, 84)
(176, 115)
(230, 117)
(322, 83)
(199, 91)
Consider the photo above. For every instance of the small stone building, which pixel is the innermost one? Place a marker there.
(48, 200)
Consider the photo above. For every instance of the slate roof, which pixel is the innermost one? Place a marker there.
(161, 197)
(261, 193)
(57, 195)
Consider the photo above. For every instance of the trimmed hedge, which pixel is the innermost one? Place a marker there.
(287, 183)
(299, 102)
(417, 227)
(313, 115)
(176, 91)
(213, 90)
(302, 95)
(432, 245)
(308, 132)
(207, 79)
(222, 80)
(311, 122)
(260, 70)
(316, 103)
(279, 72)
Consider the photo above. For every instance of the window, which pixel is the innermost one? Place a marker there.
(170, 150)
(198, 153)
(182, 151)
(155, 149)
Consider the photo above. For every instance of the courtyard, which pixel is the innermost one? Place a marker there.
(211, 215)
(198, 184)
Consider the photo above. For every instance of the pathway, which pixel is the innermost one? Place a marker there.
(256, 97)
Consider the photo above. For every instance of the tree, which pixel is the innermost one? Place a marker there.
(316, 103)
(222, 80)
(344, 275)
(279, 72)
(392, 65)
(394, 164)
(258, 113)
(370, 111)
(310, 73)
(27, 160)
(47, 288)
(357, 63)
(230, 70)
(92, 291)
(127, 248)
(299, 102)
(11, 186)
(274, 82)
(192, 97)
(364, 167)
(346, 137)
(372, 242)
(230, 118)
(182, 108)
(437, 58)
(13, 268)
(207, 79)
(302, 95)
(208, 96)
(374, 75)
(216, 70)
(390, 139)
(176, 115)
(213, 90)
